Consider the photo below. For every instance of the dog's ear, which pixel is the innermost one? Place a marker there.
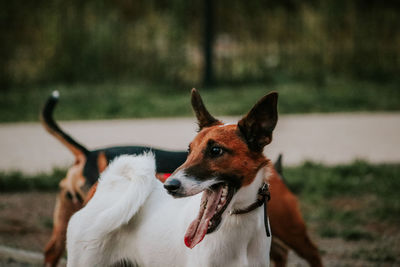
(278, 165)
(257, 126)
(204, 118)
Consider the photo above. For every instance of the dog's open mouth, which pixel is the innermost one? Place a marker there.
(213, 203)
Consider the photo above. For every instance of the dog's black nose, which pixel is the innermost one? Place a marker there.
(172, 185)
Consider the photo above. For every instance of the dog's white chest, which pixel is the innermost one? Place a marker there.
(156, 237)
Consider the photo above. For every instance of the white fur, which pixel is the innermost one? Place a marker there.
(55, 94)
(189, 185)
(131, 216)
(226, 124)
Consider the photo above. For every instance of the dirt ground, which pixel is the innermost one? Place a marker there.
(26, 221)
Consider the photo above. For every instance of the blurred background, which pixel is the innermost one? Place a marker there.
(261, 41)
(325, 55)
(124, 59)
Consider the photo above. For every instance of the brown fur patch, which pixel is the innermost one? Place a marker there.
(102, 162)
(91, 192)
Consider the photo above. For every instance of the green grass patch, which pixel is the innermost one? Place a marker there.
(19, 182)
(359, 178)
(333, 221)
(377, 255)
(47, 222)
(328, 232)
(345, 200)
(142, 100)
(348, 234)
(355, 234)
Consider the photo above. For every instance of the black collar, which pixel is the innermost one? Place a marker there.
(263, 196)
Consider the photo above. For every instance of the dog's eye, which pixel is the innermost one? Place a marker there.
(216, 151)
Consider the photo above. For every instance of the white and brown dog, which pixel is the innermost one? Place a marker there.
(132, 217)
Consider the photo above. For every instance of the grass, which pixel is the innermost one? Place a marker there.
(348, 201)
(346, 188)
(358, 203)
(19, 182)
(377, 255)
(141, 100)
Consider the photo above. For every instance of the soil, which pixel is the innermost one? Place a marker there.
(26, 219)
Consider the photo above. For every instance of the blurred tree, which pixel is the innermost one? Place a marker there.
(200, 41)
(208, 78)
(14, 23)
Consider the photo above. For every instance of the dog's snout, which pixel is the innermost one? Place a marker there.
(172, 185)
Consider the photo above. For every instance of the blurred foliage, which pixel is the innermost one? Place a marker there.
(18, 182)
(68, 41)
(143, 100)
(373, 186)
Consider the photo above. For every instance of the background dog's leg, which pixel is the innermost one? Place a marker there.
(288, 225)
(287, 222)
(63, 211)
(279, 252)
(306, 249)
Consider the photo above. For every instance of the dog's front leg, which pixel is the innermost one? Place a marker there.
(63, 211)
(279, 252)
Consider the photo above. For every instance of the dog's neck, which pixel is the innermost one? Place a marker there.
(248, 194)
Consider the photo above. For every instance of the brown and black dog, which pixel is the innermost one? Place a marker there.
(287, 224)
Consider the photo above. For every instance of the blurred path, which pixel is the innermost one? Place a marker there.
(327, 138)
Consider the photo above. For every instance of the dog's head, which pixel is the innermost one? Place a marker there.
(222, 159)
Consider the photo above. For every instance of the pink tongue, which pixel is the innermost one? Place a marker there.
(198, 228)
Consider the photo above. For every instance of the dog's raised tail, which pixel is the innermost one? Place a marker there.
(122, 190)
(52, 127)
